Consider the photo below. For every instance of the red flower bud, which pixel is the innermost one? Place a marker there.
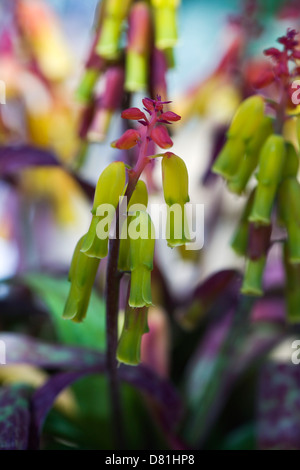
(128, 140)
(170, 116)
(149, 104)
(133, 113)
(161, 137)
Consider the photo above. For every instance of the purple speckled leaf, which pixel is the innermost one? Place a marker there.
(23, 349)
(14, 417)
(15, 158)
(80, 362)
(279, 407)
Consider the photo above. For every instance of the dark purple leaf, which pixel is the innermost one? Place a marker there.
(16, 158)
(279, 407)
(23, 349)
(14, 417)
(230, 346)
(222, 284)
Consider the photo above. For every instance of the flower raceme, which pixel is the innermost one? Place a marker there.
(256, 143)
(135, 234)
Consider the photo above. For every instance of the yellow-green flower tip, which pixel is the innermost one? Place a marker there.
(175, 179)
(86, 87)
(110, 186)
(136, 71)
(272, 160)
(177, 230)
(247, 118)
(263, 204)
(230, 158)
(81, 275)
(291, 166)
(129, 347)
(140, 287)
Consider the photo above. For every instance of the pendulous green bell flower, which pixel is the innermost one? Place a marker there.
(247, 163)
(175, 187)
(271, 163)
(230, 158)
(240, 237)
(165, 21)
(289, 215)
(139, 199)
(109, 189)
(137, 54)
(135, 325)
(115, 12)
(292, 291)
(82, 275)
(142, 241)
(247, 119)
(291, 165)
(252, 283)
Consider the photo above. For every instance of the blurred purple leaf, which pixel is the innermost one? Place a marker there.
(15, 158)
(230, 346)
(14, 417)
(222, 286)
(279, 407)
(82, 361)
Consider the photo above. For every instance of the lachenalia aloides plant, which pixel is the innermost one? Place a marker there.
(258, 143)
(127, 253)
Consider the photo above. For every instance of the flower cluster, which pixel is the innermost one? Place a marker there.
(140, 65)
(256, 143)
(135, 253)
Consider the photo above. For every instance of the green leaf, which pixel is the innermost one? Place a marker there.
(53, 292)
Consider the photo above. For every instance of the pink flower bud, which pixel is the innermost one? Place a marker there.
(128, 140)
(161, 137)
(133, 113)
(112, 97)
(139, 28)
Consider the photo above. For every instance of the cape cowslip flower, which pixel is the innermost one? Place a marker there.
(142, 241)
(247, 118)
(135, 325)
(109, 189)
(175, 186)
(137, 54)
(288, 198)
(81, 276)
(271, 164)
(138, 201)
(165, 23)
(128, 140)
(114, 14)
(107, 104)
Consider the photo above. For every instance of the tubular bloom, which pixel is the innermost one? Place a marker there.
(257, 141)
(142, 242)
(165, 23)
(109, 189)
(135, 234)
(82, 276)
(175, 186)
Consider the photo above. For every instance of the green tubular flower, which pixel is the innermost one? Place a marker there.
(240, 238)
(288, 201)
(238, 182)
(247, 119)
(109, 189)
(138, 198)
(86, 87)
(292, 291)
(82, 276)
(115, 12)
(142, 242)
(252, 284)
(137, 55)
(135, 325)
(230, 158)
(271, 163)
(175, 186)
(291, 166)
(165, 19)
